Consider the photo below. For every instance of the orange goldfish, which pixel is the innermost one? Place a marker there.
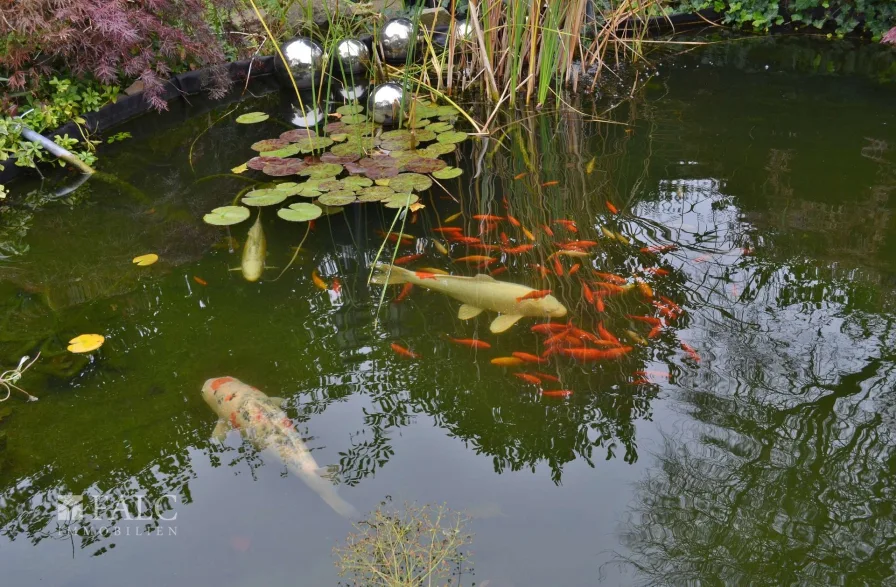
(489, 217)
(498, 271)
(599, 302)
(528, 378)
(337, 285)
(547, 377)
(646, 319)
(610, 288)
(557, 393)
(547, 230)
(586, 291)
(520, 175)
(527, 357)
(558, 266)
(474, 259)
(549, 327)
(528, 233)
(407, 259)
(534, 295)
(518, 249)
(659, 248)
(473, 343)
(506, 361)
(448, 229)
(574, 269)
(606, 334)
(580, 244)
(401, 351)
(513, 220)
(405, 290)
(549, 183)
(612, 278)
(463, 239)
(199, 280)
(505, 240)
(583, 354)
(690, 351)
(320, 283)
(543, 270)
(656, 271)
(612, 208)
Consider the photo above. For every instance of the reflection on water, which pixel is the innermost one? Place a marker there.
(768, 460)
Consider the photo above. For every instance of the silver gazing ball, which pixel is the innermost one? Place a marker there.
(352, 56)
(397, 39)
(386, 103)
(304, 58)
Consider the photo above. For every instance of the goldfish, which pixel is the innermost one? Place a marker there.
(544, 271)
(610, 288)
(454, 217)
(505, 240)
(199, 280)
(426, 275)
(471, 342)
(646, 319)
(572, 253)
(534, 380)
(645, 289)
(557, 393)
(607, 232)
(546, 377)
(690, 351)
(477, 294)
(266, 425)
(606, 334)
(654, 331)
(484, 247)
(612, 278)
(337, 285)
(513, 220)
(489, 217)
(549, 327)
(395, 237)
(579, 333)
(528, 233)
(318, 282)
(569, 225)
(585, 354)
(574, 269)
(589, 167)
(665, 310)
(401, 351)
(473, 259)
(440, 247)
(254, 252)
(534, 295)
(488, 227)
(599, 304)
(528, 358)
(518, 249)
(506, 361)
(547, 230)
(548, 184)
(407, 259)
(447, 229)
(558, 266)
(612, 208)
(621, 238)
(464, 239)
(434, 271)
(520, 175)
(635, 337)
(580, 244)
(586, 291)
(405, 290)
(498, 271)
(659, 248)
(656, 271)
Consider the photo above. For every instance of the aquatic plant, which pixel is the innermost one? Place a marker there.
(420, 545)
(9, 378)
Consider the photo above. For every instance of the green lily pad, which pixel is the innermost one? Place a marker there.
(400, 200)
(380, 192)
(339, 136)
(268, 145)
(406, 182)
(397, 144)
(328, 210)
(287, 151)
(331, 158)
(356, 182)
(452, 118)
(353, 119)
(452, 136)
(334, 199)
(447, 110)
(447, 173)
(336, 127)
(442, 148)
(424, 135)
(427, 153)
(290, 188)
(265, 197)
(226, 215)
(437, 127)
(330, 185)
(419, 123)
(424, 165)
(298, 134)
(322, 171)
(299, 212)
(252, 117)
(422, 112)
(347, 148)
(400, 133)
(313, 144)
(348, 109)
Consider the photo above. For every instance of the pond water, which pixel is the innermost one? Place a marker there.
(769, 460)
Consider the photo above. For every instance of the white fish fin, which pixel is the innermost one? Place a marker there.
(484, 277)
(503, 322)
(467, 311)
(221, 430)
(329, 473)
(386, 274)
(277, 402)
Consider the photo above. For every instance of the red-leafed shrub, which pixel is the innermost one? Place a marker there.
(115, 41)
(890, 37)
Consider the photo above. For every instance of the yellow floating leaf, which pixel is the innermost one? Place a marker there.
(239, 169)
(416, 206)
(144, 260)
(86, 343)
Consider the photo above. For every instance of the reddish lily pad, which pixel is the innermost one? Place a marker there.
(284, 167)
(341, 159)
(298, 134)
(380, 172)
(268, 145)
(258, 163)
(336, 127)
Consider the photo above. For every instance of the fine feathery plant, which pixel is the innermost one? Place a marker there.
(420, 545)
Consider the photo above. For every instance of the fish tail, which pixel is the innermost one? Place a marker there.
(385, 274)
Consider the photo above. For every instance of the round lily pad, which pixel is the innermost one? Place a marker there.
(448, 118)
(313, 144)
(298, 134)
(418, 123)
(290, 188)
(287, 151)
(442, 148)
(397, 144)
(322, 171)
(379, 191)
(357, 182)
(380, 172)
(226, 215)
(424, 165)
(422, 112)
(258, 163)
(400, 133)
(328, 210)
(252, 117)
(265, 197)
(353, 119)
(437, 127)
(447, 173)
(400, 200)
(378, 161)
(348, 109)
(85, 343)
(406, 182)
(347, 148)
(284, 167)
(335, 127)
(372, 197)
(334, 199)
(268, 145)
(339, 136)
(331, 158)
(424, 135)
(452, 136)
(447, 110)
(299, 212)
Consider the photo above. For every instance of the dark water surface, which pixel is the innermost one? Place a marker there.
(770, 460)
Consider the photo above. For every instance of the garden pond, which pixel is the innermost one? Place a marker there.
(739, 198)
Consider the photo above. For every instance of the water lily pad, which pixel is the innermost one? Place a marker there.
(300, 212)
(452, 136)
(397, 144)
(447, 173)
(419, 123)
(252, 117)
(400, 200)
(378, 160)
(86, 343)
(298, 134)
(226, 215)
(401, 133)
(448, 110)
(423, 112)
(437, 127)
(380, 172)
(354, 119)
(239, 169)
(427, 153)
(424, 135)
(332, 158)
(290, 188)
(365, 198)
(313, 144)
(322, 171)
(330, 185)
(337, 199)
(328, 210)
(380, 192)
(406, 182)
(258, 163)
(287, 151)
(339, 136)
(424, 165)
(360, 142)
(442, 148)
(144, 260)
(346, 148)
(356, 183)
(268, 145)
(284, 167)
(265, 197)
(452, 118)
(348, 109)
(402, 157)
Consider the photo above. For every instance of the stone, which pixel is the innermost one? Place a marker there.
(433, 17)
(297, 14)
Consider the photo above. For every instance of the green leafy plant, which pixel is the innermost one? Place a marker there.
(419, 545)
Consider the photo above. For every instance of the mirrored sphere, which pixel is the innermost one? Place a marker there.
(352, 55)
(386, 103)
(304, 58)
(396, 39)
